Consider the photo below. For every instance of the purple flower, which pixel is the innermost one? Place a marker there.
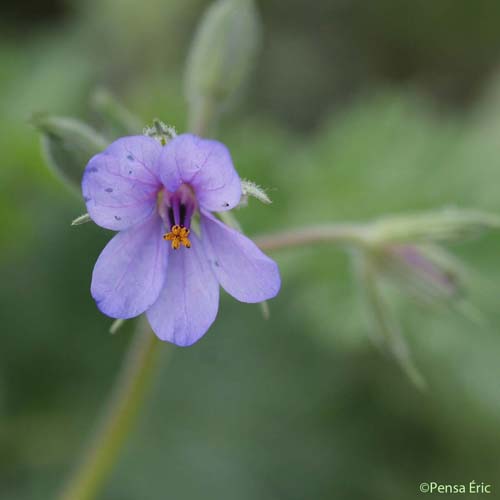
(156, 263)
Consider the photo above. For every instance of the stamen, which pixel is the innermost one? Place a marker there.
(178, 235)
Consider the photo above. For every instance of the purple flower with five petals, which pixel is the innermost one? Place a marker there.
(157, 263)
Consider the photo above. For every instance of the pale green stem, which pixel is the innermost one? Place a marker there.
(127, 397)
(203, 116)
(345, 234)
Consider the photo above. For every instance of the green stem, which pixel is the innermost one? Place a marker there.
(347, 234)
(203, 116)
(128, 394)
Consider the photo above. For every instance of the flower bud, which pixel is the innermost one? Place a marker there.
(430, 275)
(426, 273)
(68, 145)
(222, 52)
(160, 131)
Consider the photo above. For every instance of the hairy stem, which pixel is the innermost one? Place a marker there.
(119, 416)
(348, 234)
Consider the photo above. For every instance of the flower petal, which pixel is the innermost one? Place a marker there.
(204, 164)
(240, 267)
(188, 303)
(120, 184)
(130, 272)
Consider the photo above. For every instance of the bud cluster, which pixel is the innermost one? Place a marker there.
(404, 254)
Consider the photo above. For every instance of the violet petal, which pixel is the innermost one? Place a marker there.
(189, 301)
(239, 265)
(204, 164)
(120, 184)
(130, 272)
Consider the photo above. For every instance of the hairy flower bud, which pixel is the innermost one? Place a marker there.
(222, 53)
(68, 145)
(160, 131)
(424, 272)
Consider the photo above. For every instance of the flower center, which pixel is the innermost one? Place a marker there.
(176, 210)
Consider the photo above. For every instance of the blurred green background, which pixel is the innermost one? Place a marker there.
(356, 109)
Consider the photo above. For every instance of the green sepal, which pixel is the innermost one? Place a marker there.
(68, 144)
(83, 219)
(117, 119)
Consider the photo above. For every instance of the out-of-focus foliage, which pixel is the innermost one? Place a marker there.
(303, 405)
